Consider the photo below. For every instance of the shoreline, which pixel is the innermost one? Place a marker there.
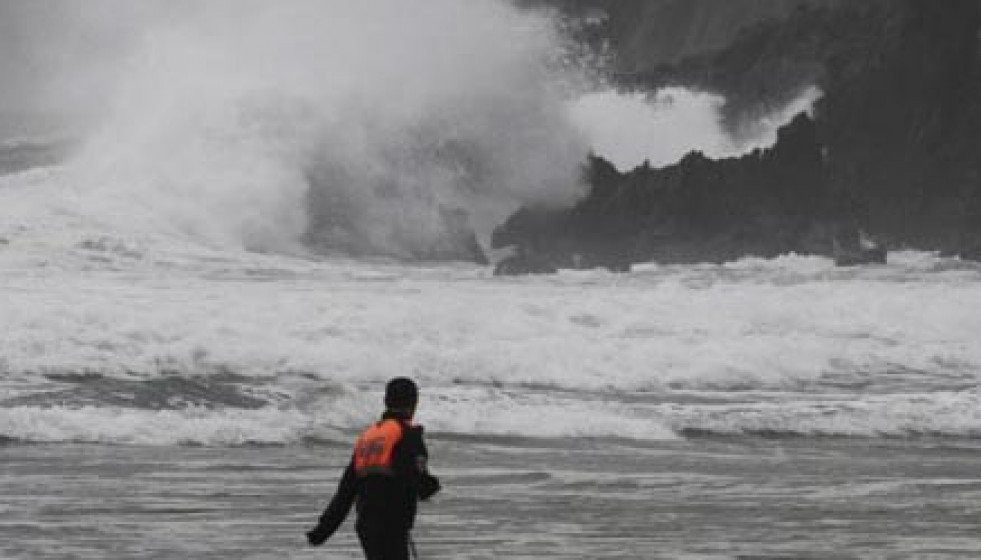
(693, 498)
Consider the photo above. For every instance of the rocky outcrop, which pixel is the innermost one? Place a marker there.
(760, 53)
(645, 35)
(523, 263)
(766, 203)
(899, 119)
(894, 149)
(901, 124)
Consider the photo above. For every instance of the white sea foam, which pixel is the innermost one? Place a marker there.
(341, 126)
(446, 411)
(792, 344)
(128, 264)
(145, 427)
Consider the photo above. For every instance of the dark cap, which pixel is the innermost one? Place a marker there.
(401, 392)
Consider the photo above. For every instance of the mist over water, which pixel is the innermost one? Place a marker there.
(368, 128)
(660, 128)
(372, 127)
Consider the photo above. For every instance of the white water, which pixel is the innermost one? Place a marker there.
(791, 345)
(374, 127)
(128, 263)
(630, 129)
(249, 124)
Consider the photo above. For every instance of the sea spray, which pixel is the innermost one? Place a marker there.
(370, 127)
(287, 348)
(631, 128)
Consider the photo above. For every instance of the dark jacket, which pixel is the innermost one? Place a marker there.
(386, 501)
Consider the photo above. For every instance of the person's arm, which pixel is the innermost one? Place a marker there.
(427, 484)
(339, 507)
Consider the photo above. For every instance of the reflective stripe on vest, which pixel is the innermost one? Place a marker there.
(376, 446)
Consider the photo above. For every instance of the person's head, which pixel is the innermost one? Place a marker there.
(401, 396)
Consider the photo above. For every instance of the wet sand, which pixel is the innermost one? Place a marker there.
(700, 498)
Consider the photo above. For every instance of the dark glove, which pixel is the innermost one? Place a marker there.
(317, 536)
(428, 486)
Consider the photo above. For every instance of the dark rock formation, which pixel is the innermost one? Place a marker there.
(524, 263)
(871, 255)
(895, 148)
(759, 53)
(645, 35)
(853, 247)
(765, 203)
(902, 135)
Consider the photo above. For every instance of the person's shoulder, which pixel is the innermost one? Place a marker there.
(414, 430)
(413, 436)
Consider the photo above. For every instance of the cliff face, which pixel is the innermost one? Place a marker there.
(900, 120)
(710, 44)
(648, 34)
(765, 203)
(895, 147)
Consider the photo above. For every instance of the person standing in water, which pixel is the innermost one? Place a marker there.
(387, 476)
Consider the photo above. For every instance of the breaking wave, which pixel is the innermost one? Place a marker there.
(366, 128)
(108, 345)
(377, 127)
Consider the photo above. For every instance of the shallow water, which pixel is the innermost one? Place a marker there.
(167, 399)
(698, 498)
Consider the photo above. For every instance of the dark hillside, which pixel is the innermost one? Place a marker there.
(894, 149)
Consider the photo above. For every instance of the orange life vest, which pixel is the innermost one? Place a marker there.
(373, 453)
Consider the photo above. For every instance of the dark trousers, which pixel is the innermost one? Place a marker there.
(386, 545)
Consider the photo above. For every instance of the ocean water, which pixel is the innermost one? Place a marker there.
(166, 398)
(123, 340)
(182, 376)
(563, 498)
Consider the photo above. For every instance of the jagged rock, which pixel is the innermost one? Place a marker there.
(766, 203)
(893, 120)
(894, 148)
(875, 255)
(853, 247)
(971, 254)
(517, 265)
(648, 34)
